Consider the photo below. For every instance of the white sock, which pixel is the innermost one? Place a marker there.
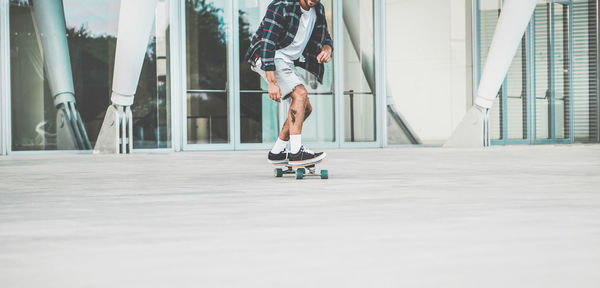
(279, 146)
(295, 143)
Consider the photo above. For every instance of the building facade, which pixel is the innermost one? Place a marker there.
(404, 72)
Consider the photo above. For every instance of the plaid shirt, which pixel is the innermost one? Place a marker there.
(278, 29)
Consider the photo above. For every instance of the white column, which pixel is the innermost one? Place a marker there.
(511, 26)
(49, 20)
(473, 130)
(135, 23)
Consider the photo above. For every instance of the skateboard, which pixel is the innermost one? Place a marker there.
(301, 171)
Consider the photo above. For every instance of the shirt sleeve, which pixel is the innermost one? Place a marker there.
(328, 40)
(270, 30)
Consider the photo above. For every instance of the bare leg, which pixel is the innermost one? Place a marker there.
(285, 131)
(297, 109)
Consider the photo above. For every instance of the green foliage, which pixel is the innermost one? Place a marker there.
(206, 45)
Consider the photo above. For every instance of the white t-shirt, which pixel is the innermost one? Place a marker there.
(294, 51)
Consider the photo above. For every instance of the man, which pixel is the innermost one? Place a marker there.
(292, 33)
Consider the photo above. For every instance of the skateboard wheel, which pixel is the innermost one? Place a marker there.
(324, 174)
(302, 170)
(278, 172)
(299, 174)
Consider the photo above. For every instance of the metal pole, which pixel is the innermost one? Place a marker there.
(471, 50)
(338, 72)
(524, 83)
(531, 78)
(381, 73)
(550, 104)
(234, 85)
(180, 93)
(4, 78)
(351, 95)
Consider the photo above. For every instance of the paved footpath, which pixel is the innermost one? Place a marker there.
(519, 216)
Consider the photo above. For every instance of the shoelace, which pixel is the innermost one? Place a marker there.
(306, 150)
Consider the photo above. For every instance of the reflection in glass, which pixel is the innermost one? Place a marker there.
(516, 90)
(359, 72)
(250, 16)
(207, 120)
(206, 49)
(552, 71)
(259, 118)
(320, 126)
(206, 44)
(91, 34)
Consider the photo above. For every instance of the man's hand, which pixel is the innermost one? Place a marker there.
(274, 91)
(325, 54)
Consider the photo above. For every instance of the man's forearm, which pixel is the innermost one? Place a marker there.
(271, 77)
(274, 91)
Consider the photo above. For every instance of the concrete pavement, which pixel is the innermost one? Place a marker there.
(519, 216)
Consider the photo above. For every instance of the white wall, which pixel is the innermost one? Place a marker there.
(428, 71)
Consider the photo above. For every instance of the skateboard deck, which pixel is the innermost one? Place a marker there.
(301, 171)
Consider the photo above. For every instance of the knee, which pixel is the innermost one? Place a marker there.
(300, 94)
(308, 109)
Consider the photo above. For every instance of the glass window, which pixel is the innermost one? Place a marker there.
(543, 79)
(516, 94)
(561, 71)
(207, 71)
(86, 65)
(359, 72)
(207, 117)
(259, 120)
(552, 90)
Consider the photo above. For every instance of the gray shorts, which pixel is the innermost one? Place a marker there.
(286, 75)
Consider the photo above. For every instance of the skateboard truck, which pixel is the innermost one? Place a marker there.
(301, 172)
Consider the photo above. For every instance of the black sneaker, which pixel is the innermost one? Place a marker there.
(279, 158)
(305, 157)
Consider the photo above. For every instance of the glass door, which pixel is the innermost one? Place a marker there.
(359, 73)
(553, 65)
(208, 97)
